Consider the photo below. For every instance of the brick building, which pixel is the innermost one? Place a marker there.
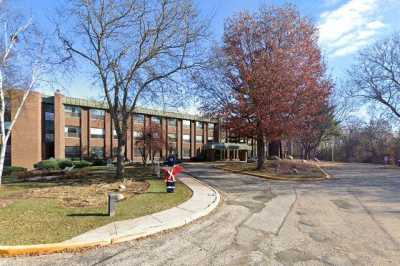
(65, 127)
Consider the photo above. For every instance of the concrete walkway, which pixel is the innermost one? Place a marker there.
(204, 200)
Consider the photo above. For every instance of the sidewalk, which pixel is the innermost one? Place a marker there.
(204, 200)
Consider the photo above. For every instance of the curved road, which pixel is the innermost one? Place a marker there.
(352, 220)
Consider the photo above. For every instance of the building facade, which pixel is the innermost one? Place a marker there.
(65, 127)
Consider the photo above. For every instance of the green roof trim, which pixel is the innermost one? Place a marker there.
(138, 110)
(227, 146)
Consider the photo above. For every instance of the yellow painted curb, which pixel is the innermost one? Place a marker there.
(9, 251)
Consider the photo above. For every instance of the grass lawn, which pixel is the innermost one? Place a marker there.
(281, 170)
(45, 216)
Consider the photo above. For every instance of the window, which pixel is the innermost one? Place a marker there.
(210, 139)
(139, 119)
(199, 125)
(7, 125)
(7, 159)
(72, 132)
(172, 149)
(199, 139)
(138, 134)
(97, 114)
(137, 152)
(72, 152)
(97, 133)
(186, 123)
(49, 137)
(72, 111)
(172, 122)
(211, 126)
(186, 152)
(49, 131)
(115, 136)
(115, 151)
(49, 116)
(155, 120)
(49, 126)
(97, 152)
(155, 135)
(186, 138)
(7, 111)
(171, 137)
(49, 108)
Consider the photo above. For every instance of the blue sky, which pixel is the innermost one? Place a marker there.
(346, 26)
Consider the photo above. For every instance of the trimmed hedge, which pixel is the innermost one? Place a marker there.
(9, 170)
(81, 164)
(99, 162)
(50, 164)
(62, 164)
(53, 164)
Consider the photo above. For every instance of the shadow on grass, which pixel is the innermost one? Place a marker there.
(85, 176)
(88, 215)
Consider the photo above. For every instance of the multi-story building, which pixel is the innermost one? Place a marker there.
(64, 127)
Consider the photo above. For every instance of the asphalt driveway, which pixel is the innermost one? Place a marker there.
(351, 220)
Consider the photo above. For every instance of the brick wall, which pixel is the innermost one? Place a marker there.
(26, 136)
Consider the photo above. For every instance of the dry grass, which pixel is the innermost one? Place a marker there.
(281, 170)
(48, 211)
(82, 188)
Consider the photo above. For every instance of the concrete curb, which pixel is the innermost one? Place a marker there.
(75, 246)
(327, 176)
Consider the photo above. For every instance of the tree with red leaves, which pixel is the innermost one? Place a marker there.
(275, 74)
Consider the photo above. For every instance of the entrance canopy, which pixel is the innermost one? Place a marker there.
(227, 146)
(227, 151)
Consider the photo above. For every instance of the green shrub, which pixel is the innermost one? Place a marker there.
(50, 164)
(81, 164)
(99, 162)
(62, 164)
(9, 170)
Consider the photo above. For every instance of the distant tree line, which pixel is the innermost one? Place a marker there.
(365, 142)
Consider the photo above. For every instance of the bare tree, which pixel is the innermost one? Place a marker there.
(21, 66)
(316, 129)
(367, 142)
(376, 76)
(150, 143)
(133, 47)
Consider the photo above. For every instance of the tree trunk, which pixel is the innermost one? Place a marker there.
(260, 151)
(2, 157)
(120, 158)
(274, 148)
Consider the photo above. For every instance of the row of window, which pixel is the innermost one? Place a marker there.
(96, 133)
(75, 132)
(75, 111)
(74, 152)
